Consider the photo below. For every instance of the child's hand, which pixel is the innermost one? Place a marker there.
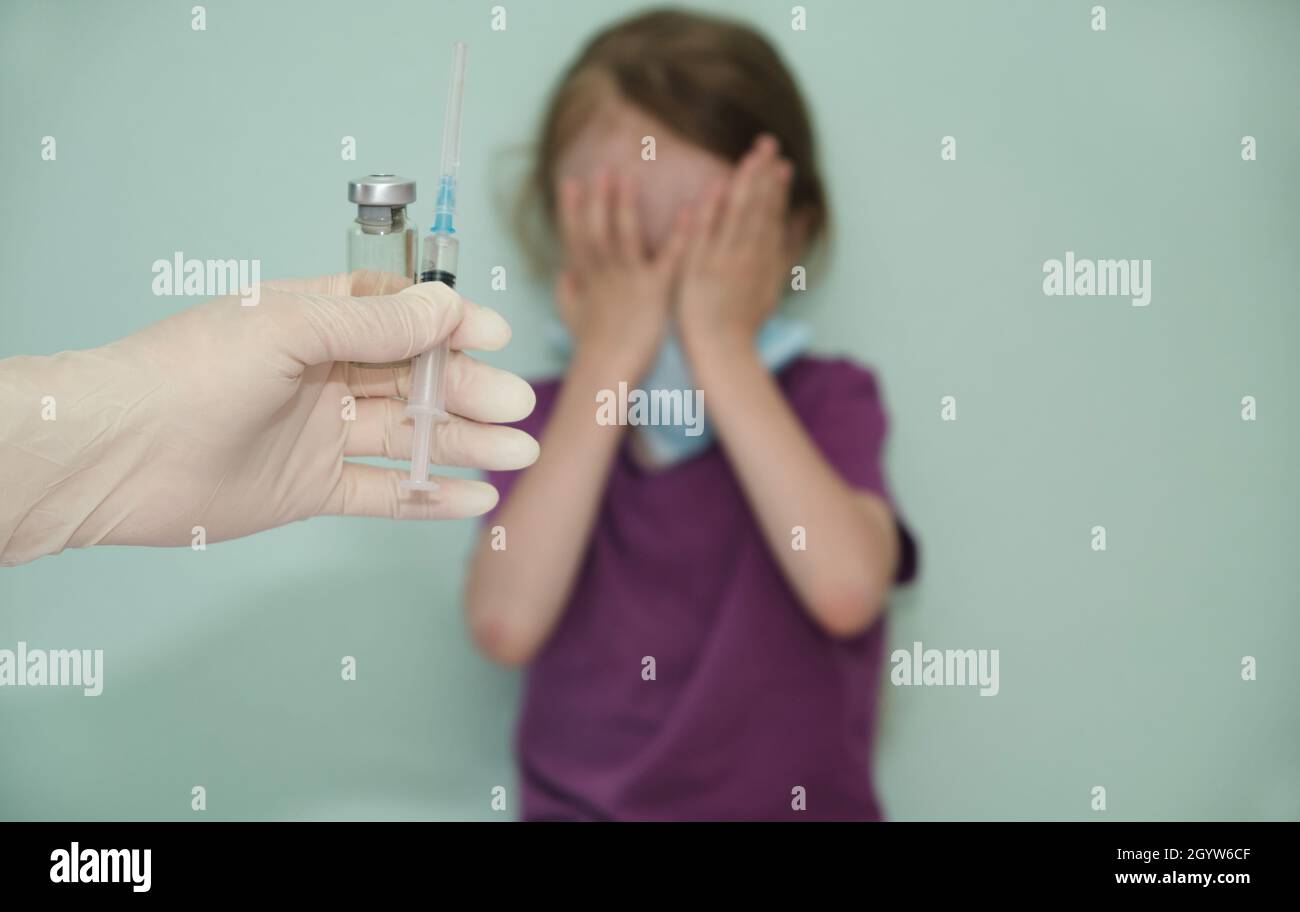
(612, 294)
(731, 277)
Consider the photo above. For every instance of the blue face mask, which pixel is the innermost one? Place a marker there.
(780, 340)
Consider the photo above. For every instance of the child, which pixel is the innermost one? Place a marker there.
(701, 615)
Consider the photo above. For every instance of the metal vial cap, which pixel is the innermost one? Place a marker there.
(381, 190)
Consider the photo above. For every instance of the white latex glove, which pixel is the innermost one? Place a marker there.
(237, 418)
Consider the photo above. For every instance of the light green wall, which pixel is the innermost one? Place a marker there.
(1118, 669)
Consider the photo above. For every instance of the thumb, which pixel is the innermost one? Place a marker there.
(374, 328)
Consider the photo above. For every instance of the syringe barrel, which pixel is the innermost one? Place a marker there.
(429, 369)
(439, 259)
(428, 383)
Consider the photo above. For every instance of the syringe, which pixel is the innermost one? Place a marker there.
(426, 404)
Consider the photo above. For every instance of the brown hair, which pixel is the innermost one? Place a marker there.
(718, 83)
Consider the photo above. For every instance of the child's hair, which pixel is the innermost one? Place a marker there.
(716, 83)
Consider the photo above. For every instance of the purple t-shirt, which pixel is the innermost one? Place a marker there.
(750, 699)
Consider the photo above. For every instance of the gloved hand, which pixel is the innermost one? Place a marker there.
(237, 418)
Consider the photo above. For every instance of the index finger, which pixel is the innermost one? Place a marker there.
(315, 328)
(361, 283)
(747, 188)
(481, 328)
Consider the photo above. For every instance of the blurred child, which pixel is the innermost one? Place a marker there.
(701, 614)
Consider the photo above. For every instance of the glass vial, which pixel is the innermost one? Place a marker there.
(383, 237)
